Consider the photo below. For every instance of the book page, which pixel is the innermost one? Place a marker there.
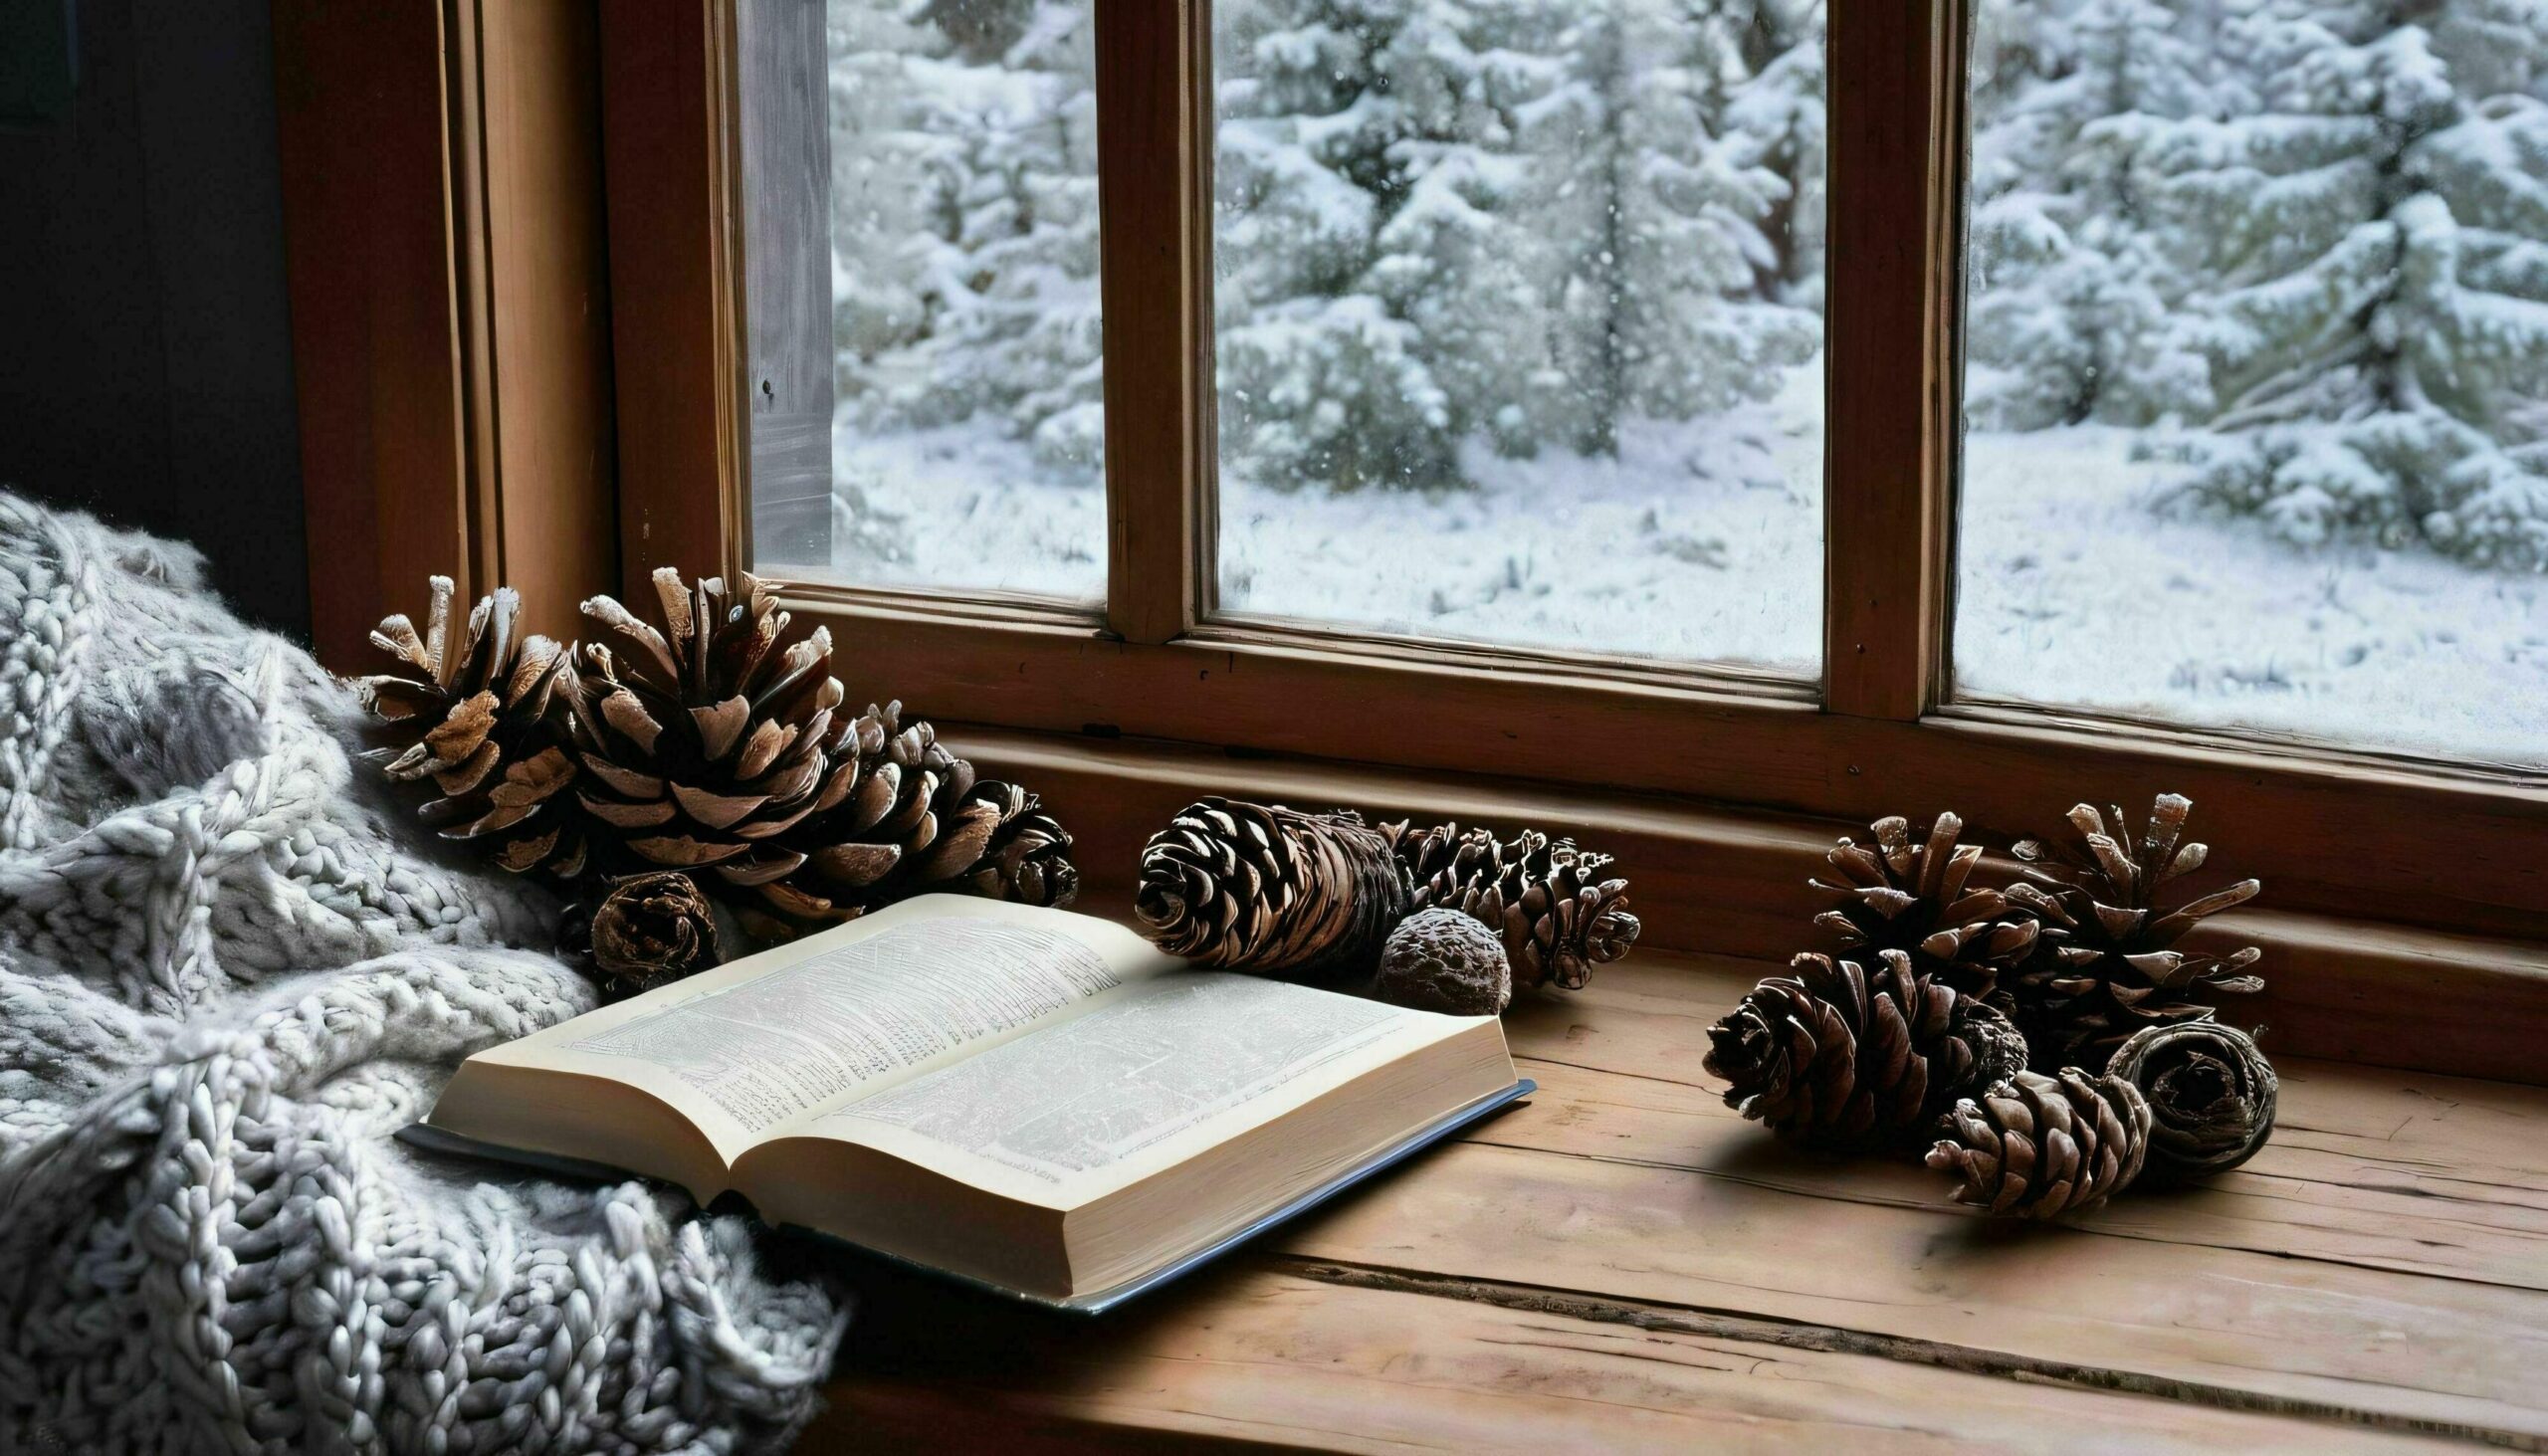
(1125, 1087)
(810, 1033)
(743, 1048)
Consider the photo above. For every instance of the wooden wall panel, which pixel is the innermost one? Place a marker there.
(1732, 882)
(547, 307)
(451, 317)
(367, 243)
(667, 161)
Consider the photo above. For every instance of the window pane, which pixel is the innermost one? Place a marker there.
(2258, 393)
(1520, 318)
(967, 437)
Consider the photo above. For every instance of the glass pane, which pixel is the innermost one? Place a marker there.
(967, 441)
(1520, 321)
(2258, 392)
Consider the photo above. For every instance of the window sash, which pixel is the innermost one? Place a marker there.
(2350, 833)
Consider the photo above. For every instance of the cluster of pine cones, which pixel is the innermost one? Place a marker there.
(1271, 889)
(1966, 1014)
(709, 744)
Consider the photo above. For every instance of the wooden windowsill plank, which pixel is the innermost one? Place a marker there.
(1624, 1263)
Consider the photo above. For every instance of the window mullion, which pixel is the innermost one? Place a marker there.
(1154, 158)
(1895, 172)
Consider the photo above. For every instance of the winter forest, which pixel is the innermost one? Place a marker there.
(1519, 325)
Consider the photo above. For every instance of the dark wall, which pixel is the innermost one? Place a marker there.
(146, 349)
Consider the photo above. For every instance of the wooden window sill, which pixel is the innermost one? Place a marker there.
(1624, 1264)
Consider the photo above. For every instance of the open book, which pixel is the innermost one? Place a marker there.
(1032, 1099)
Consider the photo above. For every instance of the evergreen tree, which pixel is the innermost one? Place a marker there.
(2381, 335)
(965, 218)
(1466, 255)
(1780, 111)
(2075, 278)
(889, 221)
(1668, 281)
(1321, 380)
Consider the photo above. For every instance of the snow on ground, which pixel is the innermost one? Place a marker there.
(1703, 542)
(2076, 591)
(962, 506)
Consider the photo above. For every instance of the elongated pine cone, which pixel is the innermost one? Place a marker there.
(1832, 1057)
(1917, 896)
(716, 744)
(1267, 889)
(2037, 1146)
(1549, 900)
(652, 930)
(2107, 964)
(477, 717)
(2210, 1095)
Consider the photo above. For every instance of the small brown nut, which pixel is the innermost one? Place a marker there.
(1442, 961)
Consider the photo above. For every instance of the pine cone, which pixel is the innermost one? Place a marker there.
(476, 718)
(1442, 961)
(713, 743)
(910, 819)
(1558, 917)
(2210, 1096)
(1898, 895)
(649, 931)
(1268, 888)
(2037, 1146)
(1831, 1057)
(2105, 967)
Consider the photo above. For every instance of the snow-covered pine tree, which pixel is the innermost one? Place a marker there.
(1782, 111)
(1466, 253)
(888, 226)
(965, 238)
(2075, 277)
(1668, 279)
(1321, 381)
(2379, 336)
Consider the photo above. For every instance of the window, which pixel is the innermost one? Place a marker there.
(1779, 403)
(1518, 324)
(2257, 379)
(968, 444)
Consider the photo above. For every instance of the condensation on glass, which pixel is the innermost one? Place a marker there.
(1519, 321)
(967, 434)
(2257, 399)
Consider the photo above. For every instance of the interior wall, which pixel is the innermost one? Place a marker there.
(146, 349)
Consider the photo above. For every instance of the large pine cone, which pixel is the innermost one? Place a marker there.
(915, 818)
(1899, 894)
(1264, 887)
(2037, 1146)
(713, 743)
(2107, 966)
(1831, 1057)
(1557, 916)
(476, 717)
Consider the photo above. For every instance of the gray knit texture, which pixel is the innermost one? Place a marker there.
(228, 973)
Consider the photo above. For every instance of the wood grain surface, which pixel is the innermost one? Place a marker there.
(1624, 1264)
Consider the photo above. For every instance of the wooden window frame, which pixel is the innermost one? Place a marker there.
(450, 315)
(2341, 833)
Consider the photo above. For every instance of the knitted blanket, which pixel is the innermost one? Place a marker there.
(227, 975)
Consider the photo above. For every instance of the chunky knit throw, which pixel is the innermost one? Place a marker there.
(227, 976)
